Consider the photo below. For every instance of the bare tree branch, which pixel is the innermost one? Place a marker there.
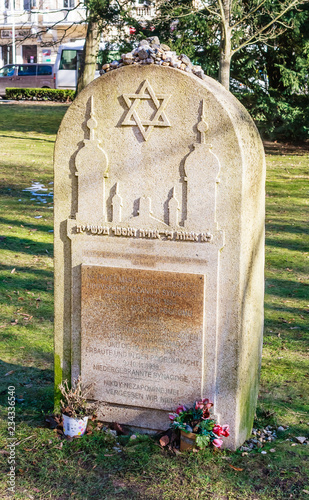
(254, 37)
(248, 15)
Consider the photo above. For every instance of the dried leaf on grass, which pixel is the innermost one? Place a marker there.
(60, 446)
(120, 430)
(164, 440)
(235, 468)
(170, 439)
(23, 440)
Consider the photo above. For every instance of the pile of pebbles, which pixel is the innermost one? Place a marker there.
(261, 437)
(266, 436)
(151, 51)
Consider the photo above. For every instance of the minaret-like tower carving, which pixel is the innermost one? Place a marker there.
(117, 206)
(173, 210)
(202, 169)
(91, 168)
(144, 211)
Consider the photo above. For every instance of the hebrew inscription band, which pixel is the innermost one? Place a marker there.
(131, 232)
(132, 352)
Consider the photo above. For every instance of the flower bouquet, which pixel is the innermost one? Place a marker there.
(197, 424)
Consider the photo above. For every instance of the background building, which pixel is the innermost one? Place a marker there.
(38, 27)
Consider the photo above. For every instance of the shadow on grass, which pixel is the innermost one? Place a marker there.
(19, 138)
(26, 246)
(286, 227)
(20, 280)
(299, 245)
(286, 149)
(32, 118)
(33, 388)
(286, 288)
(11, 191)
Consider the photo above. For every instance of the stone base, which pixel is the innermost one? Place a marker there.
(144, 420)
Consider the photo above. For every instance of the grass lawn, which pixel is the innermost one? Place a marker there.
(89, 468)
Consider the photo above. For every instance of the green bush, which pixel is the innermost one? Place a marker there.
(59, 95)
(278, 117)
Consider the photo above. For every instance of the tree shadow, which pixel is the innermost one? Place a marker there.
(26, 246)
(286, 149)
(33, 388)
(32, 118)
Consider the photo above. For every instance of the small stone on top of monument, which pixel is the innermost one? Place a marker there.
(150, 51)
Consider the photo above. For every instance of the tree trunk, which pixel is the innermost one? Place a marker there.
(225, 48)
(90, 53)
(224, 72)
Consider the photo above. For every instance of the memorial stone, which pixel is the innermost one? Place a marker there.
(159, 247)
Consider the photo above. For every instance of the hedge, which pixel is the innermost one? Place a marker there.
(278, 117)
(59, 95)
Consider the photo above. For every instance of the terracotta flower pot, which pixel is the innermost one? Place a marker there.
(74, 426)
(187, 440)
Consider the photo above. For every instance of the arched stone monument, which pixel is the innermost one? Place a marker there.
(159, 247)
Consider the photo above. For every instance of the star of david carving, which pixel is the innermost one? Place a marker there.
(133, 101)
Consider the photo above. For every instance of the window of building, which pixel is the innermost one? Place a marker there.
(29, 4)
(29, 53)
(68, 4)
(7, 54)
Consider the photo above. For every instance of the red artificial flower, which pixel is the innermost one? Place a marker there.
(217, 443)
(172, 416)
(204, 405)
(221, 431)
(217, 430)
(180, 409)
(225, 430)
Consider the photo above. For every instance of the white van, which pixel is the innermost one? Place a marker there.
(68, 62)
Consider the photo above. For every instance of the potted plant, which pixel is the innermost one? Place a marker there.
(196, 427)
(75, 409)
